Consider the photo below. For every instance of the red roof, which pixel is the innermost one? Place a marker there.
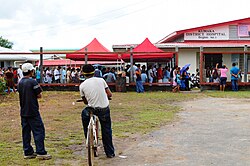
(177, 34)
(146, 51)
(96, 52)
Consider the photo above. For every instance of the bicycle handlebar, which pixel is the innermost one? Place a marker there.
(81, 100)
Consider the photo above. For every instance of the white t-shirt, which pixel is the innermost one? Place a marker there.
(94, 91)
(63, 74)
(20, 73)
(56, 74)
(73, 74)
(150, 73)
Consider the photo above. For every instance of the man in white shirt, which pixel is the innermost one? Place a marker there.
(95, 93)
(133, 68)
(57, 74)
(19, 73)
(150, 74)
(49, 75)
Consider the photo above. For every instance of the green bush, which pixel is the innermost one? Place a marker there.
(2, 85)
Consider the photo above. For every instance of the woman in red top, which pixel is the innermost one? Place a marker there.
(15, 76)
(159, 74)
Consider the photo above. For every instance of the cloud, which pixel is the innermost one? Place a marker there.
(9, 8)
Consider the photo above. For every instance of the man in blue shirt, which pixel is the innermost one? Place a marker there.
(110, 76)
(29, 91)
(64, 73)
(234, 76)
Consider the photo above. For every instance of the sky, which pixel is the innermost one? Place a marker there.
(72, 24)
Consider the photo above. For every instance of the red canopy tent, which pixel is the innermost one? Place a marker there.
(146, 51)
(95, 51)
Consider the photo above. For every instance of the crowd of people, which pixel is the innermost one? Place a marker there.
(110, 74)
(141, 74)
(179, 77)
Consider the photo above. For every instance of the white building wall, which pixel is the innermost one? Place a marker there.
(186, 56)
(190, 56)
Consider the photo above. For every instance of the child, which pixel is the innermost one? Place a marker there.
(178, 81)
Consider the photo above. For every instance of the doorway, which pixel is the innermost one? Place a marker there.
(212, 59)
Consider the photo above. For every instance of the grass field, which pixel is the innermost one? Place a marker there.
(132, 114)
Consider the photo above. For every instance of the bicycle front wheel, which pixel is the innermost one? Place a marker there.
(90, 147)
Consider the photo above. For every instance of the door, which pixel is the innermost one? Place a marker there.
(2, 64)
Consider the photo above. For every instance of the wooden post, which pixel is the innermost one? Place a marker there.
(86, 56)
(176, 55)
(245, 64)
(131, 65)
(201, 65)
(41, 65)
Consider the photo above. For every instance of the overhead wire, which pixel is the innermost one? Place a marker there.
(101, 18)
(96, 17)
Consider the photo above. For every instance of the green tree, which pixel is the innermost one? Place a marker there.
(5, 43)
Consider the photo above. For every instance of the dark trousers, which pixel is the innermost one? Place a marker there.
(57, 81)
(35, 125)
(187, 83)
(105, 121)
(234, 85)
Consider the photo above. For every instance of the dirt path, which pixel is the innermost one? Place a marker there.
(208, 131)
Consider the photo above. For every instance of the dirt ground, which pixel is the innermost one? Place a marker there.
(209, 131)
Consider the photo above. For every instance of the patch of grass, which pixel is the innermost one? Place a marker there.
(228, 94)
(142, 113)
(130, 112)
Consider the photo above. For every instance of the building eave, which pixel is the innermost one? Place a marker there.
(207, 44)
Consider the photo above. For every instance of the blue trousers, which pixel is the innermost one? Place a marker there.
(105, 121)
(36, 126)
(139, 87)
(234, 85)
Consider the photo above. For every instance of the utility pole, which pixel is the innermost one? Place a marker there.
(131, 65)
(245, 63)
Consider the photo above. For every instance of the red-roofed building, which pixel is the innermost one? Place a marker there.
(221, 43)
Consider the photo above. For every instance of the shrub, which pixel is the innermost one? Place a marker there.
(2, 85)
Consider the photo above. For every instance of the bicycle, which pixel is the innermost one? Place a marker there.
(92, 136)
(92, 140)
